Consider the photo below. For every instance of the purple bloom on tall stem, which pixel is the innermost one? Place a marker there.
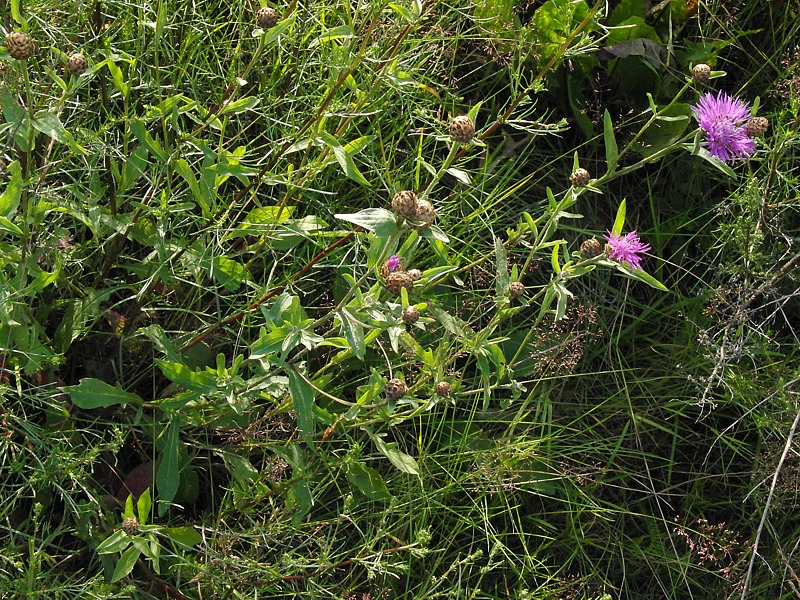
(626, 248)
(393, 264)
(723, 121)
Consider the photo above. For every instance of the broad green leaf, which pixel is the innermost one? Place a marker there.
(401, 460)
(612, 153)
(9, 201)
(49, 124)
(367, 481)
(380, 221)
(183, 536)
(126, 563)
(117, 77)
(201, 382)
(168, 474)
(344, 158)
(140, 132)
(17, 15)
(184, 170)
(353, 331)
(619, 221)
(337, 33)
(17, 117)
(240, 105)
(303, 399)
(642, 276)
(93, 393)
(9, 227)
(143, 507)
(116, 542)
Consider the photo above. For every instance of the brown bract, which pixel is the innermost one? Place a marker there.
(20, 45)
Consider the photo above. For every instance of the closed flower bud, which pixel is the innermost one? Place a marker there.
(77, 64)
(395, 389)
(443, 389)
(516, 289)
(410, 315)
(20, 45)
(701, 73)
(591, 248)
(404, 204)
(397, 280)
(426, 214)
(462, 129)
(266, 17)
(580, 177)
(130, 525)
(756, 126)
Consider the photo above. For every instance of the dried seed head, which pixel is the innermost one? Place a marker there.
(426, 214)
(443, 389)
(20, 45)
(516, 289)
(395, 389)
(415, 274)
(404, 204)
(591, 248)
(130, 525)
(462, 129)
(756, 126)
(77, 64)
(580, 177)
(410, 315)
(266, 17)
(397, 280)
(701, 73)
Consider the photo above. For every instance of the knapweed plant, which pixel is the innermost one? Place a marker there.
(391, 300)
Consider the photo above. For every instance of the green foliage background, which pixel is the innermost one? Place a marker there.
(196, 336)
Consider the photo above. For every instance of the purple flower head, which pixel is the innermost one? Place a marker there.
(393, 264)
(723, 121)
(626, 248)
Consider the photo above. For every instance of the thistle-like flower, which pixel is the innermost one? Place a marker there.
(626, 248)
(723, 121)
(393, 264)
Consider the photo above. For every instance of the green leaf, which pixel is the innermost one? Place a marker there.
(337, 33)
(143, 507)
(303, 398)
(240, 105)
(201, 382)
(612, 153)
(117, 77)
(93, 393)
(17, 15)
(116, 542)
(49, 124)
(344, 158)
(183, 536)
(184, 170)
(643, 276)
(126, 563)
(168, 474)
(9, 201)
(619, 221)
(353, 332)
(17, 117)
(368, 481)
(140, 132)
(401, 460)
(380, 221)
(9, 227)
